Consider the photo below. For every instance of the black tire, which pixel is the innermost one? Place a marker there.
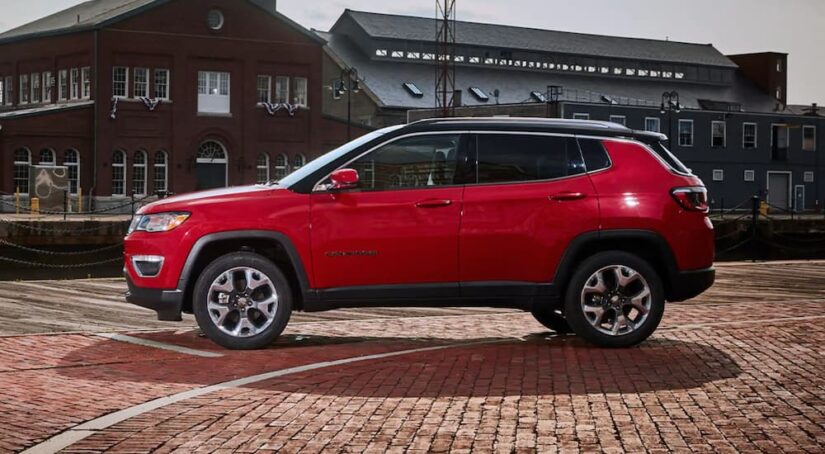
(552, 319)
(576, 315)
(283, 308)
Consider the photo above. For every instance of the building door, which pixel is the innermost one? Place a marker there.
(211, 166)
(799, 198)
(779, 189)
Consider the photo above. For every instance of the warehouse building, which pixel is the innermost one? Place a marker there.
(727, 116)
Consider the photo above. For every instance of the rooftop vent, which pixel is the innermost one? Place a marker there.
(479, 94)
(413, 89)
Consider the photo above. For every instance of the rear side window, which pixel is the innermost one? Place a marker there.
(594, 154)
(504, 158)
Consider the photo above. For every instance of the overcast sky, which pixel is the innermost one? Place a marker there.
(796, 27)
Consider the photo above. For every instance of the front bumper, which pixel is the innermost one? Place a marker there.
(689, 284)
(167, 303)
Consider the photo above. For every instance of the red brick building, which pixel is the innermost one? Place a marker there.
(138, 97)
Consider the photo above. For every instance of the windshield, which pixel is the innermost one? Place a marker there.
(672, 161)
(327, 158)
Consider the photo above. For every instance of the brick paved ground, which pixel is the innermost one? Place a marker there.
(735, 371)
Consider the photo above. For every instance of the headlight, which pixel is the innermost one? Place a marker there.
(160, 222)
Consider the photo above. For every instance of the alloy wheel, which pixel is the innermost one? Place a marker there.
(242, 302)
(616, 300)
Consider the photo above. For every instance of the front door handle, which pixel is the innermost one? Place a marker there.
(434, 203)
(567, 196)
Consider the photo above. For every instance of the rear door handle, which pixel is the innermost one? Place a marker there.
(434, 203)
(567, 196)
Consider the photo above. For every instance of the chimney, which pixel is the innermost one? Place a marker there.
(269, 5)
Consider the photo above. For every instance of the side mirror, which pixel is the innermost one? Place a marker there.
(344, 179)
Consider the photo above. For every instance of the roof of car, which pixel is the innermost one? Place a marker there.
(556, 125)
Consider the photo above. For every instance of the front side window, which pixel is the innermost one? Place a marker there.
(119, 173)
(300, 98)
(24, 89)
(139, 173)
(652, 124)
(162, 84)
(161, 173)
(808, 138)
(262, 168)
(718, 134)
(71, 160)
(120, 82)
(22, 162)
(264, 89)
(749, 135)
(512, 158)
(213, 92)
(685, 133)
(141, 85)
(409, 163)
(86, 82)
(281, 89)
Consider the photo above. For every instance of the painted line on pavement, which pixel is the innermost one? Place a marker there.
(89, 428)
(160, 345)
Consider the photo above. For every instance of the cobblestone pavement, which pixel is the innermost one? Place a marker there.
(733, 371)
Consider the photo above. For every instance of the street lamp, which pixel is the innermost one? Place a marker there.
(348, 84)
(670, 103)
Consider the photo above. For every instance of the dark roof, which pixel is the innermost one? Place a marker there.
(94, 14)
(387, 26)
(384, 80)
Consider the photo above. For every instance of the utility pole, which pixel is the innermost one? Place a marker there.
(445, 57)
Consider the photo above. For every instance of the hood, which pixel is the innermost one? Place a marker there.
(185, 202)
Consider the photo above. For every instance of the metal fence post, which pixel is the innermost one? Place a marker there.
(65, 203)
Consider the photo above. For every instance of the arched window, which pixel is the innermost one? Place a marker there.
(300, 161)
(22, 161)
(71, 159)
(262, 168)
(281, 166)
(161, 173)
(47, 157)
(139, 173)
(119, 173)
(212, 152)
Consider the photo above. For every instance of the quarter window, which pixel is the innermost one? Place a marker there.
(718, 133)
(594, 154)
(515, 158)
(749, 135)
(408, 163)
(685, 133)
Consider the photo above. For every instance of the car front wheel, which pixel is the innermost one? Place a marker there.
(242, 301)
(615, 299)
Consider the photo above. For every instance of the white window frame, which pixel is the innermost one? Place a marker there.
(139, 91)
(63, 85)
(122, 167)
(124, 82)
(9, 90)
(808, 127)
(283, 81)
(214, 92)
(86, 82)
(724, 133)
(74, 83)
(581, 116)
(24, 90)
(259, 167)
(281, 165)
(160, 166)
(749, 176)
(137, 187)
(679, 133)
(167, 85)
(808, 177)
(72, 165)
(267, 80)
(623, 118)
(299, 157)
(658, 124)
(718, 175)
(35, 84)
(787, 134)
(301, 91)
(17, 164)
(46, 85)
(3, 94)
(51, 161)
(755, 135)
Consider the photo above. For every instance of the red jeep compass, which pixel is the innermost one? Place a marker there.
(590, 226)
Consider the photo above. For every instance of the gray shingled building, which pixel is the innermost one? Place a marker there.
(731, 123)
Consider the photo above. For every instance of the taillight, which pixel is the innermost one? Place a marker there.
(694, 198)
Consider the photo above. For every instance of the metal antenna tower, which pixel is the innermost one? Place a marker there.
(445, 57)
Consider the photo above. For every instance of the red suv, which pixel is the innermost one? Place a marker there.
(590, 226)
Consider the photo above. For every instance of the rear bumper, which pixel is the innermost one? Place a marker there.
(167, 303)
(689, 284)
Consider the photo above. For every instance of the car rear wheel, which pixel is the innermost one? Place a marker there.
(242, 301)
(615, 299)
(552, 319)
